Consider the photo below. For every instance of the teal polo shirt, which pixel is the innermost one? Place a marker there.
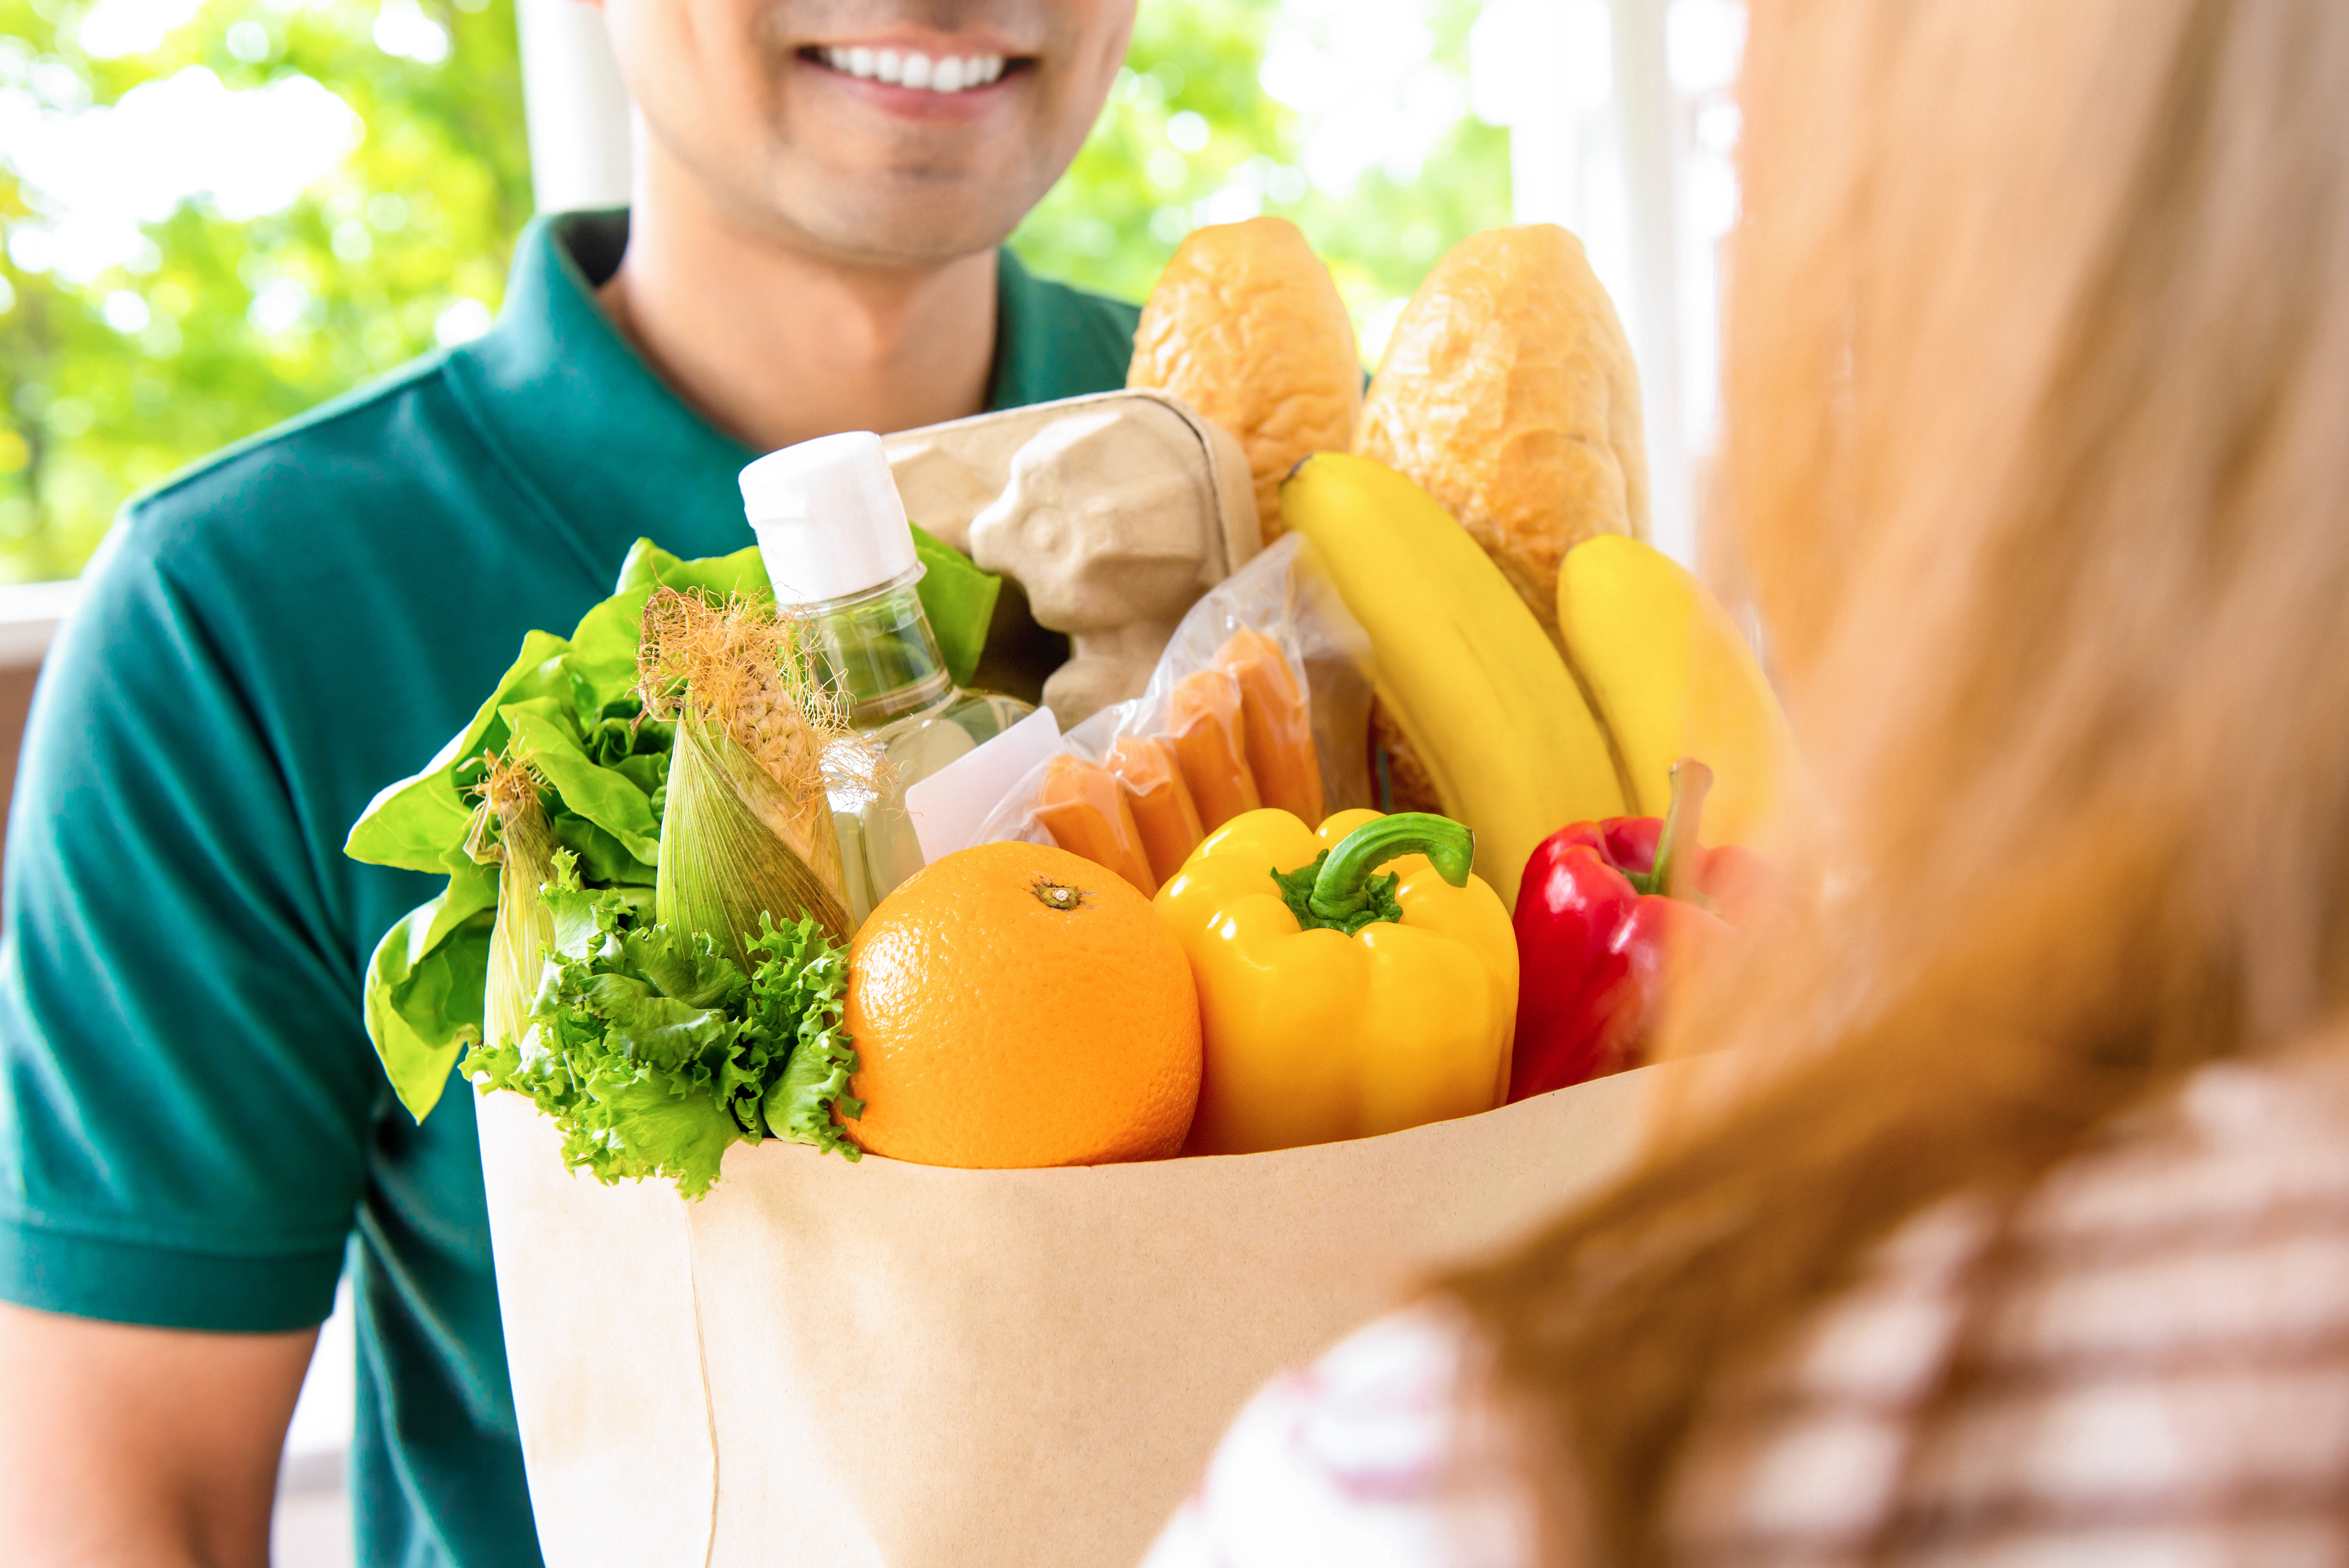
(194, 1131)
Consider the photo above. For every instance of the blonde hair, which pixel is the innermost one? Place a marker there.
(2037, 387)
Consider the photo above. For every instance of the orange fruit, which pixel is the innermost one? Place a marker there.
(1015, 1005)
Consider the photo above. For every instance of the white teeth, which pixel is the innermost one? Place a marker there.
(949, 75)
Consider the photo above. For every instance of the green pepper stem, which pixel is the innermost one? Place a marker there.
(1343, 887)
(1676, 845)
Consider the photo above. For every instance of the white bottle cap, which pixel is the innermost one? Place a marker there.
(828, 518)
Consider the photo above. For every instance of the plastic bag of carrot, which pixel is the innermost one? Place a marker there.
(1261, 699)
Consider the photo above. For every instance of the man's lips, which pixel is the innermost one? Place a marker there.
(912, 78)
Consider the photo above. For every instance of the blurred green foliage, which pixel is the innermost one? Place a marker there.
(354, 273)
(222, 327)
(1134, 192)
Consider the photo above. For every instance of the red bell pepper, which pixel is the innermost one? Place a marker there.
(1599, 904)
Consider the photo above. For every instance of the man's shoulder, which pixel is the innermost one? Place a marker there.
(356, 453)
(362, 532)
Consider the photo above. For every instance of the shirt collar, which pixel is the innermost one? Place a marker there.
(589, 433)
(595, 439)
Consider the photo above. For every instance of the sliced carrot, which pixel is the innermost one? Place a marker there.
(1162, 808)
(1204, 727)
(1279, 725)
(1082, 808)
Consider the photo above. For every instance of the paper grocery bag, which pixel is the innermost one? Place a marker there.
(893, 1364)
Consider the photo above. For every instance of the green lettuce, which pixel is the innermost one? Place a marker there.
(959, 600)
(571, 704)
(425, 987)
(567, 707)
(654, 1053)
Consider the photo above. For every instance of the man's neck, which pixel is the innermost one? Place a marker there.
(774, 346)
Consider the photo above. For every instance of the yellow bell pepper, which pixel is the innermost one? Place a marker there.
(1390, 1002)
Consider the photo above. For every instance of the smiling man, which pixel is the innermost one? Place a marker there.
(194, 1138)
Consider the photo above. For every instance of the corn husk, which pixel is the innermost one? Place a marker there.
(511, 832)
(746, 827)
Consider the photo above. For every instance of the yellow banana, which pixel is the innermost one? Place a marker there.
(1672, 677)
(1479, 690)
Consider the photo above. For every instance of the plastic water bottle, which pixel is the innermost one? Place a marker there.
(838, 549)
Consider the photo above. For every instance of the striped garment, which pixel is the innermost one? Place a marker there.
(2145, 1364)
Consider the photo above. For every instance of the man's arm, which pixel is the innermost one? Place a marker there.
(185, 1094)
(123, 1445)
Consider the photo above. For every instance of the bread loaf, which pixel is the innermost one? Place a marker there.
(1508, 392)
(1245, 327)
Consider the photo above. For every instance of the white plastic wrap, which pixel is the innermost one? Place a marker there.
(1110, 792)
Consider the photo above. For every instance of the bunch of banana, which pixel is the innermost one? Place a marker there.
(1508, 392)
(1464, 668)
(1512, 745)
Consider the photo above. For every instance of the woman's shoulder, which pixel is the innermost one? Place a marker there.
(2153, 1343)
(1375, 1456)
(2153, 1340)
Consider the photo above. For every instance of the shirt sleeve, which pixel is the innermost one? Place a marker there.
(1360, 1461)
(185, 1083)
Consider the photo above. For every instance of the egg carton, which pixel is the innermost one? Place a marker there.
(1114, 513)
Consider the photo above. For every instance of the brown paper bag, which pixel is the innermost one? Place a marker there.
(893, 1364)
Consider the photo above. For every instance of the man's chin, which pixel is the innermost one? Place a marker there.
(898, 222)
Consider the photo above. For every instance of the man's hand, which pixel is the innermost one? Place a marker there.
(123, 1445)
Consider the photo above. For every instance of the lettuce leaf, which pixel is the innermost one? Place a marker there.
(654, 1053)
(425, 987)
(555, 744)
(959, 600)
(579, 695)
(797, 993)
(421, 823)
(568, 707)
